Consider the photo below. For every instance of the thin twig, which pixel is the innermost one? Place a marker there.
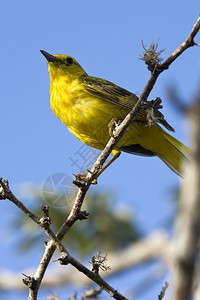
(5, 193)
(162, 294)
(66, 258)
(151, 247)
(189, 42)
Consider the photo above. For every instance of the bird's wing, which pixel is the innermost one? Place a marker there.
(109, 91)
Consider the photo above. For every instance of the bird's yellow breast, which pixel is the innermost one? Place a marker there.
(87, 117)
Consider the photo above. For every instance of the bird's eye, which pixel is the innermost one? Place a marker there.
(70, 61)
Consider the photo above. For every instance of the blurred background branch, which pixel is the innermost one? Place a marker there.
(186, 241)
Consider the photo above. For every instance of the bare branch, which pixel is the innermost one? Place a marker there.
(33, 283)
(162, 294)
(93, 276)
(189, 42)
(153, 246)
(5, 193)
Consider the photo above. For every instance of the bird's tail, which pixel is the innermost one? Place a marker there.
(176, 154)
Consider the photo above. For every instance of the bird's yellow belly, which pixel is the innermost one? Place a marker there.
(88, 119)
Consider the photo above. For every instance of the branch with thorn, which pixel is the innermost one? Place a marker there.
(44, 222)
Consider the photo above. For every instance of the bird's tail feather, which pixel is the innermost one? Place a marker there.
(176, 154)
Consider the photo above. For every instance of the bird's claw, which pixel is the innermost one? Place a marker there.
(81, 177)
(114, 122)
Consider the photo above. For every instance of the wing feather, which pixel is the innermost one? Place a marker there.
(109, 91)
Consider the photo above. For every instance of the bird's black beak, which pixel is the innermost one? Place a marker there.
(49, 57)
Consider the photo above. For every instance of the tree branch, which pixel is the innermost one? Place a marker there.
(189, 42)
(153, 246)
(162, 294)
(33, 283)
(5, 193)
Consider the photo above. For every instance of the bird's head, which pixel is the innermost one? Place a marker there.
(63, 65)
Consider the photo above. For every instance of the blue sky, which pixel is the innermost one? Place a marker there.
(105, 38)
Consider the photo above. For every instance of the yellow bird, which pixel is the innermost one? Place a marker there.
(87, 105)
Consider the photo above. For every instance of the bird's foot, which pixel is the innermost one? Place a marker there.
(112, 126)
(81, 177)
